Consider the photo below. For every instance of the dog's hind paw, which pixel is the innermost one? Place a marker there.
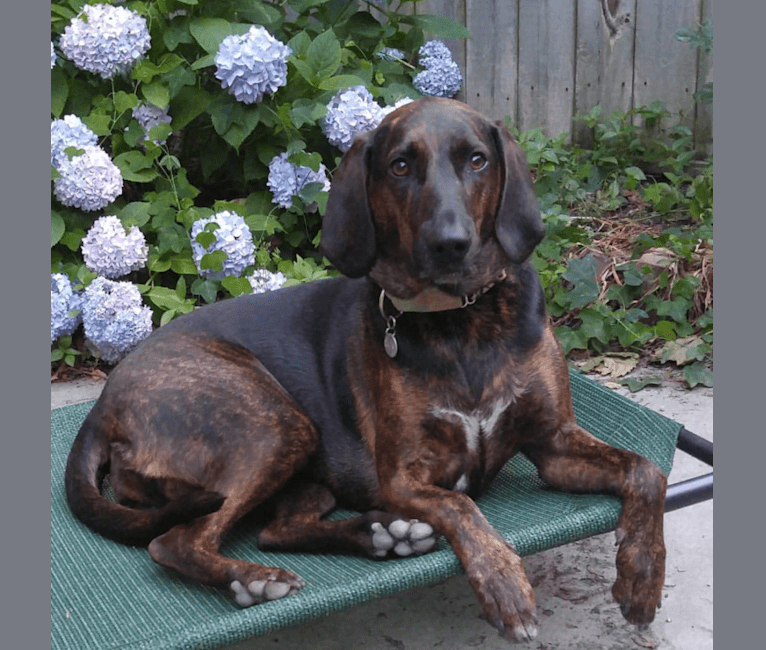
(259, 591)
(403, 538)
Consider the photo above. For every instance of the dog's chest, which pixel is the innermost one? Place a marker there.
(477, 440)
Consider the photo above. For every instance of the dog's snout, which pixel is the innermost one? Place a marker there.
(449, 240)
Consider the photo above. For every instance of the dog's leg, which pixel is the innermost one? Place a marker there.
(298, 526)
(576, 461)
(193, 551)
(494, 569)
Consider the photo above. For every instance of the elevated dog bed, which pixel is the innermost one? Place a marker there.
(104, 595)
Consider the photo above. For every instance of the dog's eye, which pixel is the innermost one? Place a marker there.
(400, 167)
(478, 161)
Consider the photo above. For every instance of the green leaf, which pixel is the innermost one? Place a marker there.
(59, 91)
(698, 373)
(675, 309)
(188, 104)
(341, 82)
(72, 238)
(306, 111)
(324, 55)
(209, 32)
(635, 384)
(234, 122)
(571, 339)
(593, 325)
(124, 102)
(135, 213)
(156, 93)
(204, 62)
(164, 298)
(300, 43)
(212, 261)
(204, 239)
(57, 228)
(582, 273)
(438, 26)
(183, 264)
(236, 286)
(99, 123)
(177, 33)
(135, 166)
(157, 263)
(206, 288)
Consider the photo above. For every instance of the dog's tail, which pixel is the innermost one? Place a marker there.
(86, 468)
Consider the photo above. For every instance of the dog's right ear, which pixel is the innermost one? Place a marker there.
(348, 234)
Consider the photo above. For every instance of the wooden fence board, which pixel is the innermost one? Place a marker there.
(604, 63)
(546, 65)
(491, 57)
(665, 68)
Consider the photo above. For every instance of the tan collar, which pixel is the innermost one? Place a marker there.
(433, 299)
(429, 300)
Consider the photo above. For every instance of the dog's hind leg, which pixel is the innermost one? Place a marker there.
(298, 526)
(193, 551)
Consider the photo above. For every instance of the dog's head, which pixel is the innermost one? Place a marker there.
(437, 195)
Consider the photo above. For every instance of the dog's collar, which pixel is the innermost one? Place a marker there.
(431, 299)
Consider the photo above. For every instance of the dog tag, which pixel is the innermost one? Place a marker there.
(390, 344)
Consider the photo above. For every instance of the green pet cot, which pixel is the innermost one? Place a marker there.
(105, 595)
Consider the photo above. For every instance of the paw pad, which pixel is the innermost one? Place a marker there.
(402, 538)
(259, 591)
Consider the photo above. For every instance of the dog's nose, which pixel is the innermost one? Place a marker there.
(449, 242)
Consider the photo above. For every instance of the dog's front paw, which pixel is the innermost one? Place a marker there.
(506, 597)
(640, 576)
(250, 592)
(402, 538)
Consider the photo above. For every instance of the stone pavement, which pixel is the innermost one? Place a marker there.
(572, 583)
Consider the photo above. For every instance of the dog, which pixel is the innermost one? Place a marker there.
(399, 390)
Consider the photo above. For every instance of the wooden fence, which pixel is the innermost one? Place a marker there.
(542, 62)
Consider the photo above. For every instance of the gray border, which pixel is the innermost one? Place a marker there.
(739, 369)
(25, 264)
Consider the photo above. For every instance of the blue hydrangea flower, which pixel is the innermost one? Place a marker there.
(262, 280)
(433, 50)
(351, 112)
(391, 54)
(90, 181)
(115, 318)
(252, 64)
(441, 78)
(287, 179)
(53, 56)
(69, 131)
(111, 252)
(63, 301)
(108, 42)
(232, 236)
(148, 116)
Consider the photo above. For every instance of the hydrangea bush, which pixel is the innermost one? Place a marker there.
(193, 145)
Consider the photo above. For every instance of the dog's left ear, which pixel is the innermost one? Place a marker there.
(348, 233)
(518, 225)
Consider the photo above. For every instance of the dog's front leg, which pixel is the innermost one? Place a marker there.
(494, 569)
(574, 460)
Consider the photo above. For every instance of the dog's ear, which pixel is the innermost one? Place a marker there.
(348, 234)
(518, 225)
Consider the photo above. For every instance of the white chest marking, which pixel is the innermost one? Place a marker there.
(477, 424)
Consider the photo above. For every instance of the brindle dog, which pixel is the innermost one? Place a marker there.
(400, 390)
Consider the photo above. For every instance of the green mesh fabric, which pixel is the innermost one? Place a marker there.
(104, 595)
